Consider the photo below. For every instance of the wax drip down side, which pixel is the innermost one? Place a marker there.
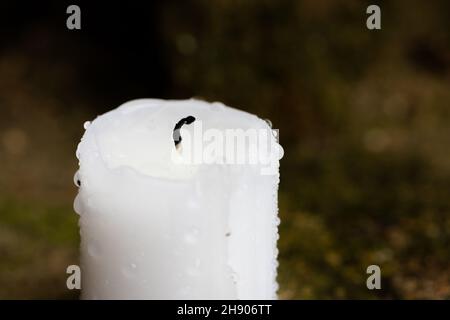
(154, 226)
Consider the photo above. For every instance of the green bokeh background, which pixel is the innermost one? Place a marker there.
(364, 118)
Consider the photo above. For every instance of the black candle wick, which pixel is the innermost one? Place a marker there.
(176, 130)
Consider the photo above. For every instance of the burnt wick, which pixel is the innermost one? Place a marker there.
(176, 131)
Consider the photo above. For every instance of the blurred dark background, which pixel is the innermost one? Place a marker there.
(364, 119)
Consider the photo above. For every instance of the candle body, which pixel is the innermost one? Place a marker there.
(154, 229)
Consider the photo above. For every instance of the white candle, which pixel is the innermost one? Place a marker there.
(164, 222)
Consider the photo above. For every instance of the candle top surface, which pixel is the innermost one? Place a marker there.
(139, 134)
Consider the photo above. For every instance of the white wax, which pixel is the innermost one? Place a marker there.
(152, 228)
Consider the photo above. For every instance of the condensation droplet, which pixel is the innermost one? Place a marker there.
(275, 263)
(76, 179)
(217, 106)
(129, 270)
(277, 221)
(234, 277)
(92, 250)
(77, 205)
(279, 152)
(192, 236)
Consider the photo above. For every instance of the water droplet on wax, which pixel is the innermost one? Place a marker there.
(76, 179)
(92, 250)
(77, 205)
(234, 277)
(129, 270)
(192, 236)
(216, 106)
(268, 122)
(277, 221)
